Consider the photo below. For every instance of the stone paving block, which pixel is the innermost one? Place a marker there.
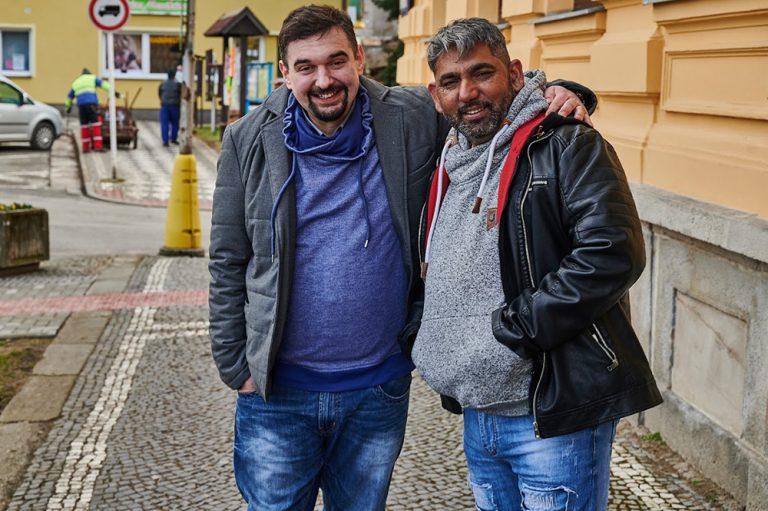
(114, 278)
(40, 399)
(17, 443)
(63, 359)
(83, 328)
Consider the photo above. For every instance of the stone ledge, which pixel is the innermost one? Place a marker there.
(736, 231)
(566, 15)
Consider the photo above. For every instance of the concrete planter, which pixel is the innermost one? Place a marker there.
(23, 240)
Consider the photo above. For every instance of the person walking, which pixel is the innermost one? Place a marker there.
(314, 288)
(169, 93)
(83, 92)
(532, 243)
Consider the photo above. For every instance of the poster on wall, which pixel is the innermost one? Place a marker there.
(128, 54)
(158, 7)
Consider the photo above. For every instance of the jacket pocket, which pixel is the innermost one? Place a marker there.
(602, 343)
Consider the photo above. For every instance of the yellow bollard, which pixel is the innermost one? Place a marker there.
(182, 225)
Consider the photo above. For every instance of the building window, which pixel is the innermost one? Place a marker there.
(355, 12)
(16, 46)
(143, 56)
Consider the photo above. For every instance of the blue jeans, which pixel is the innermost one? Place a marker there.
(343, 442)
(169, 122)
(511, 469)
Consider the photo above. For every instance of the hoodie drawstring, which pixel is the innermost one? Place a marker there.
(488, 164)
(361, 191)
(273, 215)
(439, 197)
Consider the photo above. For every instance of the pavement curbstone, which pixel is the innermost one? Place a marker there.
(40, 399)
(17, 443)
(82, 328)
(63, 359)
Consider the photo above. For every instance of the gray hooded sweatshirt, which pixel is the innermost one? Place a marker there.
(455, 350)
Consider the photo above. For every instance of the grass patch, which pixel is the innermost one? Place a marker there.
(653, 437)
(17, 358)
(211, 138)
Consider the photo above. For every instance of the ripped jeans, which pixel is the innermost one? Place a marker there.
(511, 469)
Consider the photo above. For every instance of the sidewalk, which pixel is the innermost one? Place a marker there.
(148, 424)
(146, 170)
(22, 167)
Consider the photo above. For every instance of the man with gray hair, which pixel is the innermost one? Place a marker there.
(532, 242)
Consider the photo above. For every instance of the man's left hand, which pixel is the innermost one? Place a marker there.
(565, 103)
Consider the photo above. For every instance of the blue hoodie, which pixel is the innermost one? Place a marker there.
(348, 298)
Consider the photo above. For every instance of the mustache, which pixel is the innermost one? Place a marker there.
(328, 90)
(473, 105)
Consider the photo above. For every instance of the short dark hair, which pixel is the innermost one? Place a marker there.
(314, 20)
(463, 35)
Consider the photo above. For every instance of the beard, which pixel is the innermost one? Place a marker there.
(325, 114)
(481, 131)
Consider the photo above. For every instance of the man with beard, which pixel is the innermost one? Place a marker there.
(533, 213)
(314, 280)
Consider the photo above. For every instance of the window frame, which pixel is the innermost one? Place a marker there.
(30, 30)
(145, 34)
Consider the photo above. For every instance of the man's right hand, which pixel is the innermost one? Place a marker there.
(248, 386)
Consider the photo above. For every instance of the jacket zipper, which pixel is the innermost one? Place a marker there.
(421, 232)
(530, 276)
(600, 340)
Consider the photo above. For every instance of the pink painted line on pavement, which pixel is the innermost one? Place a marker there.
(108, 301)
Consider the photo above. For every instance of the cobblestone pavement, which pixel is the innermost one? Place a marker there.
(66, 277)
(147, 170)
(148, 426)
(26, 168)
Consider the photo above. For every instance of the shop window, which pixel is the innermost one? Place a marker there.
(164, 53)
(148, 56)
(15, 46)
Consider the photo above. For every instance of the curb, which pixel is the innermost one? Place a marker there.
(87, 177)
(26, 420)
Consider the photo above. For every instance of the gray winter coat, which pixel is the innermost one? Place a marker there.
(249, 291)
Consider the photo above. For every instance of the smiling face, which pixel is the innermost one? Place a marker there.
(475, 91)
(323, 72)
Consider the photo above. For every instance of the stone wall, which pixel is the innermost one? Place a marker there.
(700, 312)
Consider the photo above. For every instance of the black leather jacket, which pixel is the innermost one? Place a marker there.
(570, 246)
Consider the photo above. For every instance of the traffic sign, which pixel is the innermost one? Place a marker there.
(108, 15)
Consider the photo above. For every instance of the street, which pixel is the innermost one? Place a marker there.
(148, 424)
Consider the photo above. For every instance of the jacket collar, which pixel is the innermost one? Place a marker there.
(388, 126)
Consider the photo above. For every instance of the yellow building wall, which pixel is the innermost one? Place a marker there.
(682, 85)
(64, 40)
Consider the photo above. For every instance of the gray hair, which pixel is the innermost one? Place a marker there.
(463, 35)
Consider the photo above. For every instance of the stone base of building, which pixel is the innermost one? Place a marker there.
(700, 311)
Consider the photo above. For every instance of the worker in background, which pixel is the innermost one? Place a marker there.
(170, 104)
(84, 92)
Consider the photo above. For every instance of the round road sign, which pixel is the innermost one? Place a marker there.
(108, 15)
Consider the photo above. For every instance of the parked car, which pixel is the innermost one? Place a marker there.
(23, 119)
